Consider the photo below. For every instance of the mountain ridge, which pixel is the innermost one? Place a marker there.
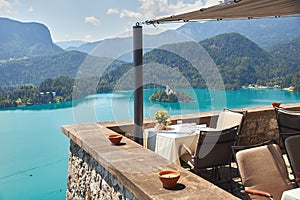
(236, 54)
(71, 43)
(25, 39)
(265, 32)
(239, 60)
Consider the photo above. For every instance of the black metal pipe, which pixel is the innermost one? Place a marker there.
(138, 87)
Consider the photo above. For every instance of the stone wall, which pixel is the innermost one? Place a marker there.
(89, 180)
(260, 124)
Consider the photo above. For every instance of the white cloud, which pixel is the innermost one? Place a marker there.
(30, 9)
(5, 7)
(130, 14)
(93, 20)
(157, 8)
(154, 8)
(112, 11)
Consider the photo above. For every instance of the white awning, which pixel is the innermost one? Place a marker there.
(237, 9)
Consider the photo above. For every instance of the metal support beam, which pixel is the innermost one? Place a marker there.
(138, 87)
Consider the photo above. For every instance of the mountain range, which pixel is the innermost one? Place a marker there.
(240, 60)
(265, 32)
(70, 44)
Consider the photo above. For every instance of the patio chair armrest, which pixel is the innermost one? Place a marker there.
(258, 192)
(188, 150)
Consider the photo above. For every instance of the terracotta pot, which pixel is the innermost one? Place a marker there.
(169, 178)
(276, 104)
(115, 138)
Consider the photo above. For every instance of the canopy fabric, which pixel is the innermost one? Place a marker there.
(237, 9)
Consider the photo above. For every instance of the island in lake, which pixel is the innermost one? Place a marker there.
(170, 95)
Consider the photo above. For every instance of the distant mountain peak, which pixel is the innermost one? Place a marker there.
(70, 44)
(20, 39)
(265, 32)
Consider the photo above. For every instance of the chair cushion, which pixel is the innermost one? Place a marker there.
(228, 119)
(263, 168)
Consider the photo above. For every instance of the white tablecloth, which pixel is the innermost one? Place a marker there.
(167, 143)
(293, 194)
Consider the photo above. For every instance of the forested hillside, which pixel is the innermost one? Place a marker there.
(289, 51)
(35, 70)
(288, 55)
(50, 91)
(239, 60)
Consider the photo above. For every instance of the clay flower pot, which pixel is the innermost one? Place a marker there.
(169, 178)
(115, 138)
(276, 104)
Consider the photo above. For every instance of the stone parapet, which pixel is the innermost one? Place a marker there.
(128, 171)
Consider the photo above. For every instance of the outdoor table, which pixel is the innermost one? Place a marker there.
(168, 142)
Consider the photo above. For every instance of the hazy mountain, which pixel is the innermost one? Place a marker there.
(121, 47)
(69, 44)
(18, 39)
(266, 32)
(86, 47)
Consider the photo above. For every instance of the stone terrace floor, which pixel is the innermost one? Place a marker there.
(223, 181)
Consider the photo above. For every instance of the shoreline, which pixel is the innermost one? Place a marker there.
(70, 103)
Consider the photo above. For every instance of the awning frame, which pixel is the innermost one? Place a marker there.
(237, 9)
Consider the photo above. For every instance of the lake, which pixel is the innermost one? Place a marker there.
(34, 152)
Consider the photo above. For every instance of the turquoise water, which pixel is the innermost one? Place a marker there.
(34, 152)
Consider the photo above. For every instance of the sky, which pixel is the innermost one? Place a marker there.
(94, 20)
